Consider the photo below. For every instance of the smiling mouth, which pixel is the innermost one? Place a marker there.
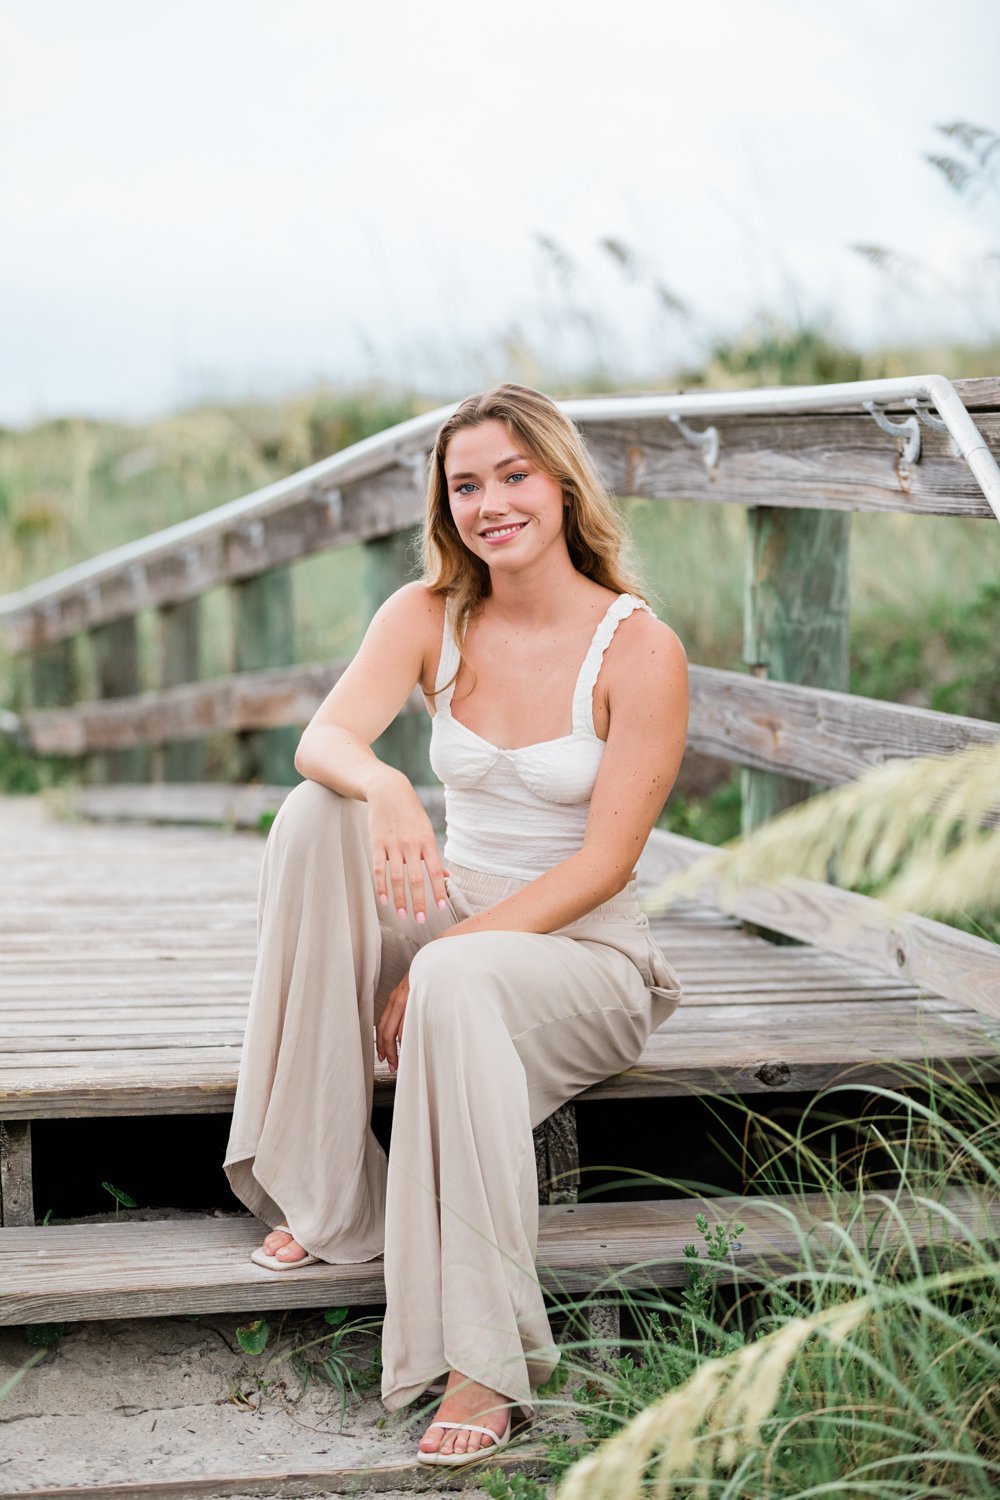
(504, 530)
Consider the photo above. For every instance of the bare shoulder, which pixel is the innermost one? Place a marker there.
(646, 648)
(413, 614)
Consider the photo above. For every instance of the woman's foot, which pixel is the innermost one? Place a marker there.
(280, 1244)
(467, 1401)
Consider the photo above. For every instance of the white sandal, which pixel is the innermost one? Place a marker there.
(455, 1460)
(272, 1263)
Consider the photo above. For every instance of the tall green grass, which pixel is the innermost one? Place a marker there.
(869, 1366)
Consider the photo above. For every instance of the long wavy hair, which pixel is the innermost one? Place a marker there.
(598, 542)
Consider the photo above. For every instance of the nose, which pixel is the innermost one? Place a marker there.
(494, 502)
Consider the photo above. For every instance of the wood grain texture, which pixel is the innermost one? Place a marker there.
(157, 1269)
(827, 459)
(821, 736)
(17, 1204)
(795, 624)
(816, 735)
(929, 954)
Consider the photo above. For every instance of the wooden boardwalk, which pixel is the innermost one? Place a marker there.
(127, 951)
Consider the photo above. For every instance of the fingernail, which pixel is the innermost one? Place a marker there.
(401, 910)
(384, 900)
(442, 903)
(420, 916)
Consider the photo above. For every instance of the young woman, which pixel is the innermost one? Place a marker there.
(499, 983)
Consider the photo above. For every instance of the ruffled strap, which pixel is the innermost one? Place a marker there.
(583, 696)
(450, 657)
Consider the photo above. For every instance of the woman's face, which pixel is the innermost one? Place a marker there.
(506, 509)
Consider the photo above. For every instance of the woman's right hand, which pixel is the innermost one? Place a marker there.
(402, 837)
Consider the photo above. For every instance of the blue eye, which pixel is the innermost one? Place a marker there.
(518, 474)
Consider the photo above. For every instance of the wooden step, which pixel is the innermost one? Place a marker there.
(63, 1273)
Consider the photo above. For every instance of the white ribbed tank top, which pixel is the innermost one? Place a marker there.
(519, 812)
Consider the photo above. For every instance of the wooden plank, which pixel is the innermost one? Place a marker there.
(306, 1479)
(823, 736)
(252, 700)
(817, 735)
(834, 458)
(17, 1204)
(179, 629)
(796, 627)
(389, 562)
(263, 638)
(156, 1269)
(115, 651)
(312, 514)
(235, 806)
(818, 461)
(926, 953)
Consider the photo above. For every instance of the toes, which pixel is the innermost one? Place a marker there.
(290, 1251)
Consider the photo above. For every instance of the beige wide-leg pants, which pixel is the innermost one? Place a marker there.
(501, 1028)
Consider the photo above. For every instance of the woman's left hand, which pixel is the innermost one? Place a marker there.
(389, 1031)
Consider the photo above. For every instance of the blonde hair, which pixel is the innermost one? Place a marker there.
(598, 543)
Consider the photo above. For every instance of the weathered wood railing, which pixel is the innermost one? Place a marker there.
(801, 458)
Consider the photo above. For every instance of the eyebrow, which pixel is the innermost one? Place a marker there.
(514, 458)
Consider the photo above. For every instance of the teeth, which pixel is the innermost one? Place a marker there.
(504, 530)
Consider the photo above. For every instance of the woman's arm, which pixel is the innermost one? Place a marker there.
(648, 699)
(335, 748)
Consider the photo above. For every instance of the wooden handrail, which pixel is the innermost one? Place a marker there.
(375, 487)
(809, 733)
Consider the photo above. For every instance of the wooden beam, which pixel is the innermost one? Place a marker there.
(924, 952)
(197, 1265)
(17, 1205)
(389, 563)
(814, 734)
(828, 460)
(247, 700)
(313, 520)
(264, 637)
(827, 737)
(200, 802)
(180, 662)
(795, 623)
(115, 650)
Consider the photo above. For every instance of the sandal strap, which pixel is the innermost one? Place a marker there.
(470, 1427)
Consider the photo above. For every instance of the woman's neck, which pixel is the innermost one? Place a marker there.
(536, 600)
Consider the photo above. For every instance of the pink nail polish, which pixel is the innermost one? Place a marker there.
(384, 899)
(442, 903)
(420, 916)
(401, 910)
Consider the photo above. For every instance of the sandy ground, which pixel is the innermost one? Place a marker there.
(142, 1400)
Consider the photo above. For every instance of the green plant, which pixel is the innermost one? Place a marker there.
(122, 1199)
(44, 1335)
(334, 1356)
(252, 1337)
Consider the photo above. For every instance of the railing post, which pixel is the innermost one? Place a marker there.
(49, 678)
(795, 622)
(264, 636)
(390, 562)
(115, 648)
(179, 628)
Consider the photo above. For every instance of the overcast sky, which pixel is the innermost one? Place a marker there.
(246, 196)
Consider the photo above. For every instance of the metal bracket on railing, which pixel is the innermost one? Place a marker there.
(417, 465)
(189, 558)
(924, 414)
(906, 432)
(92, 598)
(252, 532)
(137, 577)
(707, 441)
(333, 503)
